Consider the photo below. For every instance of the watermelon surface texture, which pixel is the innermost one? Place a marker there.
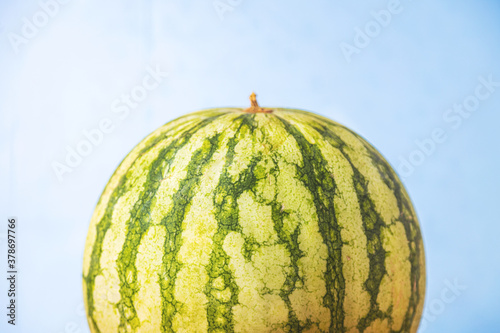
(254, 220)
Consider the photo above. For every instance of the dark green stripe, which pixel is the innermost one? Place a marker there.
(225, 203)
(138, 225)
(410, 224)
(105, 223)
(409, 221)
(372, 225)
(315, 176)
(290, 241)
(411, 227)
(103, 226)
(225, 200)
(173, 222)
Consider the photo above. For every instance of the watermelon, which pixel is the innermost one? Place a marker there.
(254, 220)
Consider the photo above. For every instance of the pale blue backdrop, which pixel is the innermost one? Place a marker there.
(419, 79)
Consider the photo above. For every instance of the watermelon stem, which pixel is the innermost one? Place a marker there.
(255, 108)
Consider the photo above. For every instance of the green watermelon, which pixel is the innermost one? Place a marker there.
(254, 220)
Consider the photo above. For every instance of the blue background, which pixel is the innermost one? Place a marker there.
(395, 92)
